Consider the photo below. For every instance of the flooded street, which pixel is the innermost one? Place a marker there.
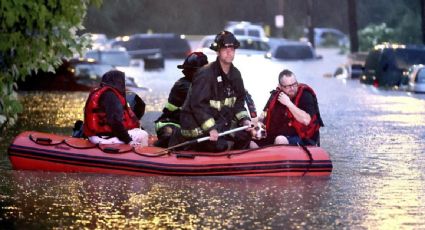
(376, 140)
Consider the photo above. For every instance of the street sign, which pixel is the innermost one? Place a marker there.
(279, 21)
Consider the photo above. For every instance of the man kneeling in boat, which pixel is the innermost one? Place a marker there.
(291, 115)
(167, 126)
(107, 117)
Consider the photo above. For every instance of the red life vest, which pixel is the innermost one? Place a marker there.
(95, 117)
(303, 131)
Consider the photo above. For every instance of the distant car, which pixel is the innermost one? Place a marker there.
(244, 28)
(109, 57)
(168, 44)
(248, 45)
(329, 37)
(349, 71)
(99, 41)
(76, 74)
(117, 59)
(386, 64)
(288, 50)
(89, 73)
(416, 78)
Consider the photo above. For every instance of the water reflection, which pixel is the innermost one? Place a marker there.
(121, 202)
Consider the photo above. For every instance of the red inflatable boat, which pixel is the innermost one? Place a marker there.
(49, 152)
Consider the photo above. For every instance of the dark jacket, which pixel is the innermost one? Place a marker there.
(171, 111)
(213, 101)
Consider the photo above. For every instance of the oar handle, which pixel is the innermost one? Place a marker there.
(223, 133)
(204, 138)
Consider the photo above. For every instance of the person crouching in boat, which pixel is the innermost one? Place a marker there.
(215, 101)
(108, 119)
(167, 126)
(291, 115)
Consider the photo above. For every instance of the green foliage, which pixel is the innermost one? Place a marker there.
(402, 22)
(373, 35)
(35, 35)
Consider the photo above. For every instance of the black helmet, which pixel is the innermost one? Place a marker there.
(194, 60)
(224, 39)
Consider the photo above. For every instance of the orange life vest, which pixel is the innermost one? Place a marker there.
(95, 117)
(303, 131)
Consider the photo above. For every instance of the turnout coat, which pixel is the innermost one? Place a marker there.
(214, 101)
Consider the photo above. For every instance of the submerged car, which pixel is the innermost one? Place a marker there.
(244, 28)
(168, 45)
(77, 74)
(288, 50)
(416, 79)
(249, 45)
(386, 64)
(328, 37)
(117, 59)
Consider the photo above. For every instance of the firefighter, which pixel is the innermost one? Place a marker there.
(167, 126)
(215, 102)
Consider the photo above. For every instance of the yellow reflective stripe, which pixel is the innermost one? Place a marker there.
(208, 124)
(218, 105)
(242, 114)
(215, 104)
(230, 102)
(171, 107)
(192, 133)
(159, 125)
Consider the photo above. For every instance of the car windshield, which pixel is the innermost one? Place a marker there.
(407, 57)
(420, 78)
(254, 45)
(294, 52)
(110, 58)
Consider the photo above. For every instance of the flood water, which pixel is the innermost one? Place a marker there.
(376, 140)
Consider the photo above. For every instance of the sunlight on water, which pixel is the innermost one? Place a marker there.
(396, 200)
(62, 109)
(119, 202)
(59, 109)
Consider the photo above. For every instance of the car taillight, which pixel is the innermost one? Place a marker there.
(376, 83)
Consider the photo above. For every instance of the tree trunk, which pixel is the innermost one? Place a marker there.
(422, 2)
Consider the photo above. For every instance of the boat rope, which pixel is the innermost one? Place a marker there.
(310, 156)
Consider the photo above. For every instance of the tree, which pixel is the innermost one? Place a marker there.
(34, 36)
(373, 35)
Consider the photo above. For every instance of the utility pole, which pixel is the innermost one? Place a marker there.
(352, 25)
(310, 25)
(279, 19)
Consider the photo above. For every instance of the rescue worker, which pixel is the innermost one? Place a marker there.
(215, 102)
(168, 124)
(291, 115)
(108, 119)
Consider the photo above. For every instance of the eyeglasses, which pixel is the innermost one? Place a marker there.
(293, 85)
